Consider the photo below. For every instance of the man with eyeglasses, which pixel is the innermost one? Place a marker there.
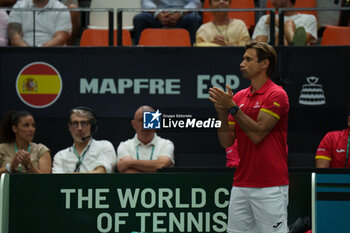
(146, 152)
(86, 155)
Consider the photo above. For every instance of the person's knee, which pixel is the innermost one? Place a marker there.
(192, 17)
(141, 18)
(289, 24)
(191, 21)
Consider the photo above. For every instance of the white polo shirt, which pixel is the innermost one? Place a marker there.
(99, 153)
(301, 20)
(47, 23)
(157, 147)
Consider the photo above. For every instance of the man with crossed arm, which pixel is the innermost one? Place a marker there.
(146, 152)
(52, 28)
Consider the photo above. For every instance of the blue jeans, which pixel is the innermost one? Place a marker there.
(144, 20)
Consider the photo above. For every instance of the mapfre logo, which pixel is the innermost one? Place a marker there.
(39, 85)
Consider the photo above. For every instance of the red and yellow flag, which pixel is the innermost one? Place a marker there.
(39, 85)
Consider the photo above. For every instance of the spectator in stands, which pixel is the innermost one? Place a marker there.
(333, 150)
(75, 17)
(18, 154)
(51, 28)
(3, 28)
(299, 29)
(146, 152)
(86, 155)
(222, 30)
(257, 118)
(190, 21)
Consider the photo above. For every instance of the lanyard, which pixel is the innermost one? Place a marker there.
(80, 158)
(16, 149)
(137, 152)
(347, 151)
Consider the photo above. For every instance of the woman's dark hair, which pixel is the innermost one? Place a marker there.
(11, 118)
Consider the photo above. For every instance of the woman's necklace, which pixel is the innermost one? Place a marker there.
(225, 30)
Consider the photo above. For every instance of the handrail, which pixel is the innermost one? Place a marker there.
(4, 202)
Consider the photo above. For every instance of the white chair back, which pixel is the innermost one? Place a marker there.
(328, 17)
(100, 19)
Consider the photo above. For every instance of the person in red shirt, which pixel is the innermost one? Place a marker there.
(333, 151)
(232, 157)
(257, 119)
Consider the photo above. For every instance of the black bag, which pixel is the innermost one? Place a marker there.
(300, 225)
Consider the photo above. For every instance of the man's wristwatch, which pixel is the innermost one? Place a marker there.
(233, 110)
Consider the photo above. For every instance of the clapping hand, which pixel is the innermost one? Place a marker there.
(222, 100)
(24, 158)
(220, 40)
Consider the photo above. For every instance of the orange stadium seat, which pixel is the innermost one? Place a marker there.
(165, 37)
(247, 17)
(300, 4)
(99, 37)
(336, 35)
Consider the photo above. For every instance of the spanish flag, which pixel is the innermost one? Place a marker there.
(39, 85)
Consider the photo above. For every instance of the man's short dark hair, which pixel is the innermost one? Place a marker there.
(264, 51)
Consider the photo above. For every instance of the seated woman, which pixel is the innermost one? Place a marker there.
(18, 154)
(222, 31)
